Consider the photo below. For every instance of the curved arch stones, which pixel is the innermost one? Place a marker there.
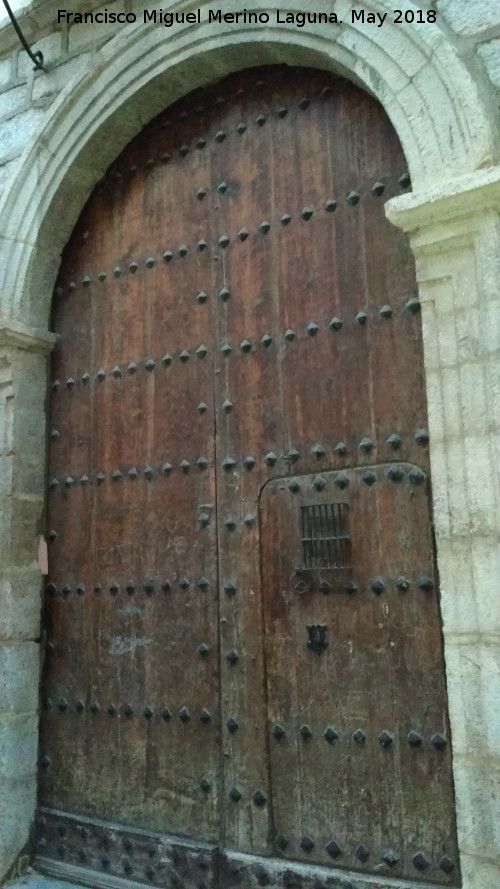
(441, 114)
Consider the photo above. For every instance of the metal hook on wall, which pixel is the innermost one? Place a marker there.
(36, 57)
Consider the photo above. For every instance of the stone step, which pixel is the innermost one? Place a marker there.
(35, 881)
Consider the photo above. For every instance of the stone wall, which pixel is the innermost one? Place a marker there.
(58, 131)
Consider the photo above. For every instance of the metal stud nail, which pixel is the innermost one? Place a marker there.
(416, 476)
(333, 849)
(385, 739)
(361, 318)
(425, 583)
(80, 589)
(70, 383)
(277, 731)
(223, 241)
(304, 103)
(131, 367)
(114, 588)
(222, 189)
(330, 205)
(404, 180)
(394, 441)
(230, 523)
(377, 586)
(232, 657)
(97, 588)
(292, 455)
(202, 407)
(228, 464)
(72, 286)
(365, 445)
(319, 483)
(201, 193)
(232, 724)
(201, 351)
(116, 272)
(201, 245)
(55, 434)
(184, 356)
(69, 481)
(249, 462)
(446, 864)
(67, 589)
(102, 276)
(220, 136)
(317, 451)
(94, 707)
(147, 712)
(130, 587)
(294, 485)
(229, 588)
(281, 841)
(182, 250)
(149, 586)
(51, 589)
(270, 458)
(359, 736)
(201, 297)
(266, 340)
(166, 586)
(312, 328)
(414, 739)
(62, 705)
(282, 112)
(201, 142)
(203, 583)
(306, 213)
(100, 374)
(395, 473)
(100, 478)
(56, 385)
(166, 714)
(377, 189)
(264, 227)
(245, 345)
(249, 520)
(167, 256)
(285, 218)
(184, 465)
(205, 715)
(361, 852)
(150, 262)
(335, 323)
(259, 798)
(389, 857)
(204, 519)
(242, 234)
(341, 480)
(438, 741)
(289, 335)
(205, 785)
(330, 735)
(117, 475)
(133, 266)
(307, 844)
(79, 706)
(184, 715)
(184, 150)
(353, 198)
(241, 128)
(421, 436)
(52, 535)
(385, 312)
(226, 349)
(413, 306)
(420, 862)
(402, 584)
(116, 372)
(305, 732)
(184, 583)
(235, 794)
(202, 462)
(166, 468)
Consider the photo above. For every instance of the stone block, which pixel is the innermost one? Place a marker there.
(13, 101)
(83, 36)
(18, 746)
(477, 787)
(58, 76)
(19, 132)
(458, 601)
(17, 809)
(490, 54)
(470, 18)
(19, 677)
(26, 523)
(20, 603)
(50, 46)
(6, 73)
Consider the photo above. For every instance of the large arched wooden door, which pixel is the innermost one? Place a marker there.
(244, 676)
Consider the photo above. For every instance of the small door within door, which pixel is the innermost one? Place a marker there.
(244, 665)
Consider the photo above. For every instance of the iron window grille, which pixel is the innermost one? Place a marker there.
(326, 542)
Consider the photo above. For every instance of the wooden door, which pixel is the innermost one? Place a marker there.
(244, 665)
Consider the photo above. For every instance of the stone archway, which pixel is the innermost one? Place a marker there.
(444, 127)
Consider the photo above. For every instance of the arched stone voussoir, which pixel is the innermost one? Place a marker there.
(425, 88)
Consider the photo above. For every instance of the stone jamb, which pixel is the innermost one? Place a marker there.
(454, 240)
